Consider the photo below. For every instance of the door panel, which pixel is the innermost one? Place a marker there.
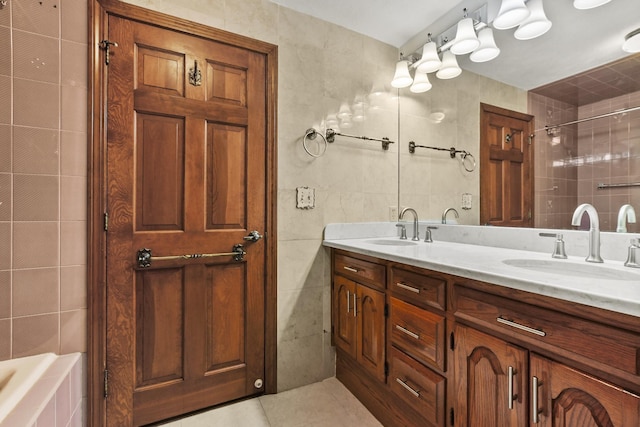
(159, 172)
(186, 166)
(344, 319)
(569, 398)
(481, 367)
(226, 176)
(226, 314)
(371, 331)
(160, 327)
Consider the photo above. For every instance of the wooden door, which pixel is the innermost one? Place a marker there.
(506, 167)
(569, 398)
(482, 385)
(344, 314)
(371, 331)
(186, 171)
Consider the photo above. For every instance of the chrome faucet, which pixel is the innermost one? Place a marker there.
(625, 214)
(594, 230)
(446, 211)
(416, 233)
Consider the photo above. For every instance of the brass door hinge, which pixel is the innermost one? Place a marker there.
(106, 221)
(105, 45)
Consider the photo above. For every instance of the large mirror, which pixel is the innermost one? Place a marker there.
(576, 71)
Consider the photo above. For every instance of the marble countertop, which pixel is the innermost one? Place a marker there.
(610, 286)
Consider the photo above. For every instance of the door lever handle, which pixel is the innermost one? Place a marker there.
(253, 236)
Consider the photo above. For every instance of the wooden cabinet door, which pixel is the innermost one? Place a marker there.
(371, 331)
(485, 395)
(344, 314)
(569, 398)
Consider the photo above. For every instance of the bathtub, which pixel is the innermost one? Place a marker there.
(31, 386)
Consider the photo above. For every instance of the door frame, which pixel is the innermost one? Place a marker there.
(99, 10)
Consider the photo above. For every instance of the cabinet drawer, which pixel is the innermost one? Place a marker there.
(418, 386)
(418, 332)
(360, 270)
(611, 347)
(418, 288)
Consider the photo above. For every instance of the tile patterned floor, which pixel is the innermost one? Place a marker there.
(324, 404)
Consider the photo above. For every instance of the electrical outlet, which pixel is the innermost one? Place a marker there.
(393, 213)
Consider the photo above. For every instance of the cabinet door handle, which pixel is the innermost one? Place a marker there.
(348, 301)
(516, 325)
(407, 287)
(355, 305)
(351, 269)
(408, 332)
(407, 387)
(511, 373)
(535, 412)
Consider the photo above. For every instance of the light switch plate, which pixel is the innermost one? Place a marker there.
(467, 200)
(305, 198)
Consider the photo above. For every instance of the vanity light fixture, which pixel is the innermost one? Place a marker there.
(632, 42)
(450, 67)
(588, 4)
(421, 83)
(487, 49)
(511, 13)
(466, 40)
(402, 78)
(430, 61)
(535, 25)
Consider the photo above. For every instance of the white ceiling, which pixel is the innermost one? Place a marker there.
(578, 40)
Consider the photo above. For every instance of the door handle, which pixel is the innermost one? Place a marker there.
(253, 236)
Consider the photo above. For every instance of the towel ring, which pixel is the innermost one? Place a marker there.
(311, 134)
(468, 159)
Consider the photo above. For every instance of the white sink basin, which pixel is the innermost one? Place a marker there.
(572, 269)
(392, 242)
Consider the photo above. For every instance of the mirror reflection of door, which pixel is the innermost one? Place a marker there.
(506, 173)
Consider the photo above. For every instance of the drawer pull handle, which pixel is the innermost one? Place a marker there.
(351, 269)
(408, 332)
(513, 324)
(535, 383)
(407, 287)
(512, 397)
(407, 387)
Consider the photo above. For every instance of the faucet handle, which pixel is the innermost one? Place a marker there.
(633, 260)
(403, 231)
(558, 249)
(428, 238)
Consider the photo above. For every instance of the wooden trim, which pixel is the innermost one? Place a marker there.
(487, 108)
(96, 242)
(99, 10)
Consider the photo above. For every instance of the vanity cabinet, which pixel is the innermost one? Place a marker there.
(421, 347)
(507, 382)
(499, 384)
(359, 312)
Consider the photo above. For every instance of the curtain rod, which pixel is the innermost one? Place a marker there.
(549, 128)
